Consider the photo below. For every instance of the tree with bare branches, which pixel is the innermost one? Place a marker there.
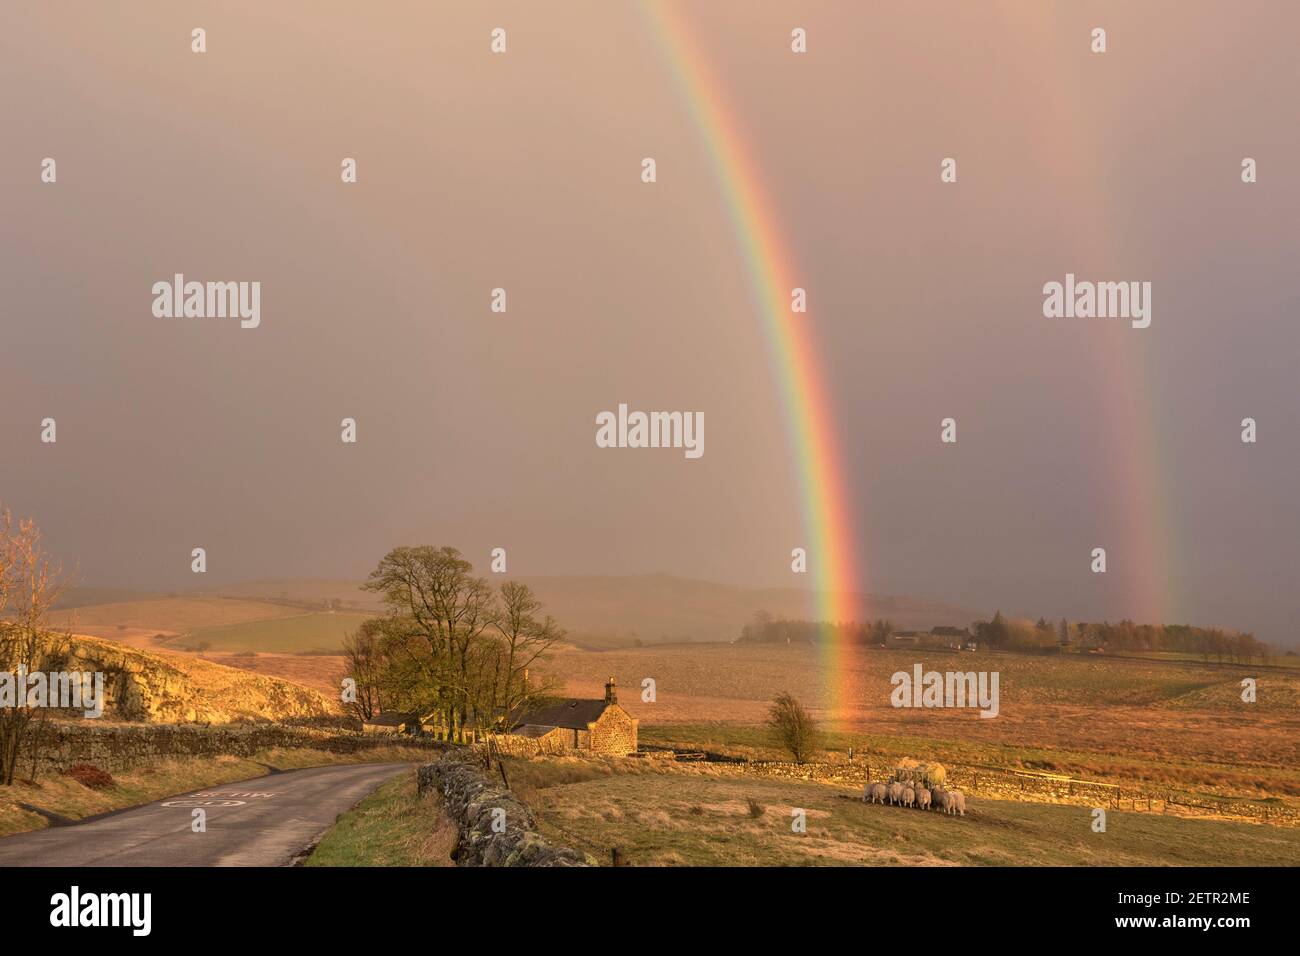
(30, 583)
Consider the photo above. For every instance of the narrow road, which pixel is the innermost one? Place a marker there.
(267, 821)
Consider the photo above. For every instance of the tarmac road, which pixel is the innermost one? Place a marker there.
(267, 821)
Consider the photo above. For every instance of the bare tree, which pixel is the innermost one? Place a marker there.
(524, 636)
(30, 583)
(364, 663)
(793, 727)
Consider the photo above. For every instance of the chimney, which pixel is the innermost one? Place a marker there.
(611, 692)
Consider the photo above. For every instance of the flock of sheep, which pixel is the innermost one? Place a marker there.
(911, 794)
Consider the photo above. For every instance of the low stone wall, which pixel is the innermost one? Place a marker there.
(495, 829)
(116, 747)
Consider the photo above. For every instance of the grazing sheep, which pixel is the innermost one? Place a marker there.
(875, 793)
(958, 802)
(923, 798)
(942, 799)
(909, 796)
(895, 792)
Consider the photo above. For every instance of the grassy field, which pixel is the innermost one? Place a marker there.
(709, 817)
(303, 633)
(65, 797)
(171, 614)
(1159, 723)
(391, 827)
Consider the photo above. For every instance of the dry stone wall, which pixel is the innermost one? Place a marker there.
(494, 828)
(116, 747)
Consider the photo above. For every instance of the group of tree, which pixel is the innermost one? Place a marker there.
(767, 629)
(449, 644)
(30, 583)
(1222, 645)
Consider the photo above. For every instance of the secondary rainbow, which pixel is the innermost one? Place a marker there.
(772, 273)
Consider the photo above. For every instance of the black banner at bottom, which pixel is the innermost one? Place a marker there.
(223, 906)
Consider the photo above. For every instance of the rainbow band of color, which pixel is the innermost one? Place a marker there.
(828, 520)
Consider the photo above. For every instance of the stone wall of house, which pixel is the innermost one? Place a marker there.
(614, 733)
(117, 747)
(493, 828)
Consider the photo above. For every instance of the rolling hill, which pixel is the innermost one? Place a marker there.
(617, 611)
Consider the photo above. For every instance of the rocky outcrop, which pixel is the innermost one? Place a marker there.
(494, 828)
(157, 688)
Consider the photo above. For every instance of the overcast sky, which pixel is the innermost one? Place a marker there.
(522, 171)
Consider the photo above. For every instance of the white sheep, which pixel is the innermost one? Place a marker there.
(895, 792)
(875, 793)
(923, 798)
(941, 798)
(909, 796)
(958, 800)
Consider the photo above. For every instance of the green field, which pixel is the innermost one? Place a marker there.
(302, 634)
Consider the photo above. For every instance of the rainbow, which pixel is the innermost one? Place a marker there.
(772, 272)
(1144, 558)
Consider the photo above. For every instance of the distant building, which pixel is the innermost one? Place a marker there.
(935, 637)
(392, 722)
(959, 634)
(601, 726)
(905, 638)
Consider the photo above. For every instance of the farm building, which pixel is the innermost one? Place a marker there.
(392, 722)
(935, 637)
(578, 724)
(904, 638)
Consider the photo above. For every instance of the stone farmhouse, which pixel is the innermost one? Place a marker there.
(601, 726)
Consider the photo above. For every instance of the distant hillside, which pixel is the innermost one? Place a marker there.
(655, 608)
(615, 611)
(82, 597)
(315, 591)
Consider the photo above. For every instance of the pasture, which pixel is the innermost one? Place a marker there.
(1158, 723)
(675, 815)
(321, 633)
(174, 615)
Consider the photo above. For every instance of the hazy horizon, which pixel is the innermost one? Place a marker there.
(522, 171)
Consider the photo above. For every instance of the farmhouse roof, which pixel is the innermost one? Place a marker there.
(533, 730)
(390, 718)
(573, 713)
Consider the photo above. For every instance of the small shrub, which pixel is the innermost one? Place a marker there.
(756, 809)
(88, 775)
(697, 811)
(793, 727)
